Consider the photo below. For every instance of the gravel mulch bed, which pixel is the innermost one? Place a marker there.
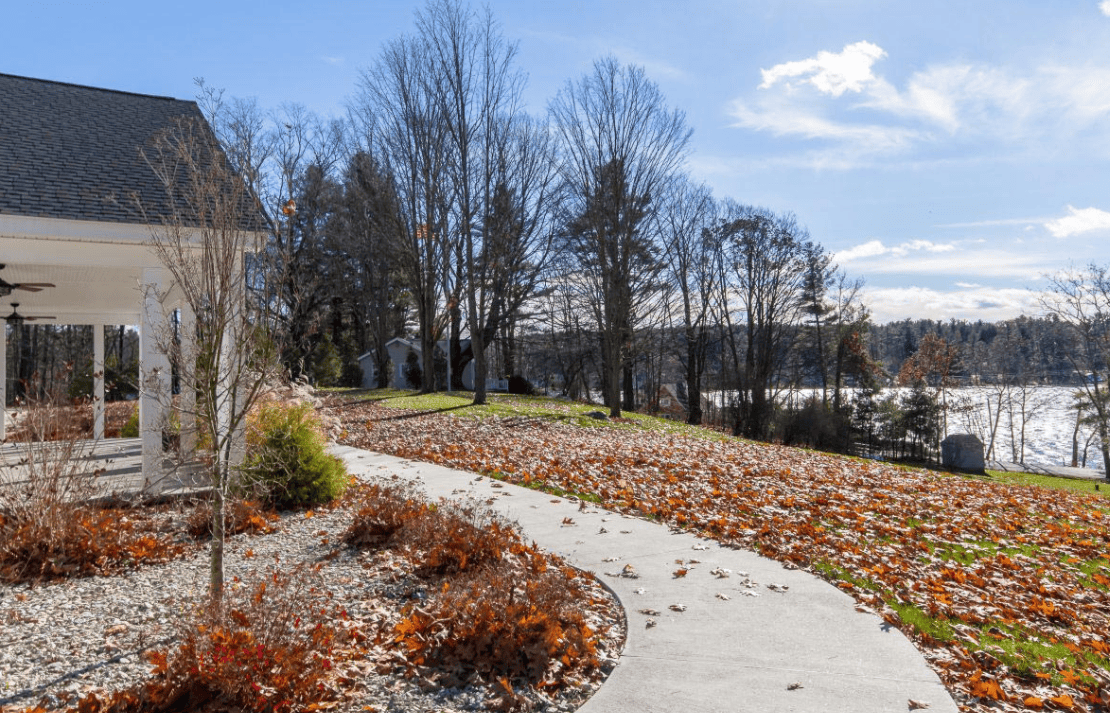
(61, 640)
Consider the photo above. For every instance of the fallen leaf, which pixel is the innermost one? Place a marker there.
(917, 705)
(794, 686)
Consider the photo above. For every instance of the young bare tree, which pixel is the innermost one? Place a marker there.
(225, 360)
(1080, 298)
(621, 147)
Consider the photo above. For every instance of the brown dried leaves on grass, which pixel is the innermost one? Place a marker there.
(1005, 589)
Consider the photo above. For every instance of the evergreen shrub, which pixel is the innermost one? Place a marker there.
(287, 463)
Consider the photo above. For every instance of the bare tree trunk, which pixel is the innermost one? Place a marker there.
(1075, 438)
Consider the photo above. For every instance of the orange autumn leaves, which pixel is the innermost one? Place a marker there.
(1004, 588)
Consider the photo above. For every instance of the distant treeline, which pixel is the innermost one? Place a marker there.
(1022, 350)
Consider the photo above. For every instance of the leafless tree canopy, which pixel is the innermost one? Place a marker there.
(620, 148)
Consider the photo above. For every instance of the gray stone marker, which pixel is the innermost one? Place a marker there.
(963, 451)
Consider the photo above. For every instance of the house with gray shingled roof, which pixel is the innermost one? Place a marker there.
(73, 175)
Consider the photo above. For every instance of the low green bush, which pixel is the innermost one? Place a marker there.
(287, 463)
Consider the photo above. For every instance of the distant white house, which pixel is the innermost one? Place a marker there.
(399, 350)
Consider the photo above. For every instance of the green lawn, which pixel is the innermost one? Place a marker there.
(1048, 481)
(544, 408)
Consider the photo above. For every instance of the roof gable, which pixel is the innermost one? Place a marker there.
(74, 152)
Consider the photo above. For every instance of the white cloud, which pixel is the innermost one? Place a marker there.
(868, 249)
(333, 60)
(1079, 220)
(831, 73)
(1105, 7)
(925, 245)
(875, 248)
(915, 302)
(968, 285)
(972, 109)
(785, 119)
(953, 97)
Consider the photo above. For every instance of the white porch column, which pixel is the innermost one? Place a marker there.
(235, 358)
(154, 375)
(98, 382)
(188, 411)
(3, 381)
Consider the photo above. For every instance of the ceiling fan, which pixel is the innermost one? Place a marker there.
(15, 318)
(7, 287)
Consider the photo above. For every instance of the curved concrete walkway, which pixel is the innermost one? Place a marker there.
(743, 653)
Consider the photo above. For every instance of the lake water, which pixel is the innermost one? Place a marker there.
(1049, 422)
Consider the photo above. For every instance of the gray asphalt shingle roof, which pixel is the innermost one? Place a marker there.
(68, 151)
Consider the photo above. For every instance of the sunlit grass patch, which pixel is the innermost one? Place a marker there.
(938, 628)
(1049, 481)
(544, 408)
(970, 551)
(835, 573)
(1028, 653)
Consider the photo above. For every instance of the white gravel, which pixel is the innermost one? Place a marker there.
(66, 638)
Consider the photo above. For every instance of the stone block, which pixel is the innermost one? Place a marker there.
(963, 451)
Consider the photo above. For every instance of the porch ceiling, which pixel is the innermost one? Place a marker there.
(82, 295)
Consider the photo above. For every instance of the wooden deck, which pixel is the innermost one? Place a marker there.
(116, 464)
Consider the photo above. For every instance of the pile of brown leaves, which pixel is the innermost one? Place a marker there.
(1005, 589)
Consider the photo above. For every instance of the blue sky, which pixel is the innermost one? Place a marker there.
(949, 153)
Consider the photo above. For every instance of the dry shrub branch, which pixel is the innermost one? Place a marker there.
(48, 528)
(503, 610)
(270, 647)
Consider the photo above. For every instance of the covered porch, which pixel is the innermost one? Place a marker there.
(102, 275)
